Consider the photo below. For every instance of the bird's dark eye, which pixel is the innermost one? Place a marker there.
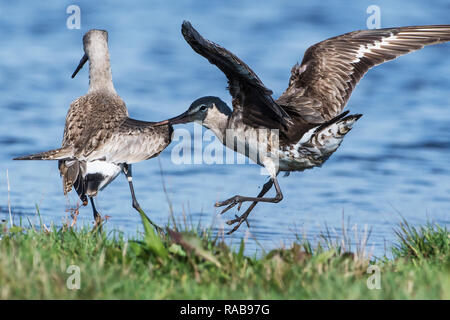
(203, 108)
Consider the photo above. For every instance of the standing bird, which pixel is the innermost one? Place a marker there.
(100, 140)
(304, 126)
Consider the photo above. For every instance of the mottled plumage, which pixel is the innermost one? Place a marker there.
(304, 126)
(100, 140)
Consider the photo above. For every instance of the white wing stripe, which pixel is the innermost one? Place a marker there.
(364, 49)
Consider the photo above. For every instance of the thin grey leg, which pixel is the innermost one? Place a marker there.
(97, 216)
(135, 203)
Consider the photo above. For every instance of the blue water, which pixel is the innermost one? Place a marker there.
(395, 162)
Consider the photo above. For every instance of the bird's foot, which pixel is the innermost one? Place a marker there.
(238, 221)
(98, 221)
(230, 203)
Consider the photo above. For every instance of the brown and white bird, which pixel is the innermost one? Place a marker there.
(304, 126)
(100, 140)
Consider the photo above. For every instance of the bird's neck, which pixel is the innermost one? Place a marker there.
(100, 77)
(217, 121)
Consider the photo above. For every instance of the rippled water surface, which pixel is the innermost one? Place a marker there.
(395, 162)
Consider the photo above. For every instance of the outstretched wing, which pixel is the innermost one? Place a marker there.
(250, 97)
(321, 85)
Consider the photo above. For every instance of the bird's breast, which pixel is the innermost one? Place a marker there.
(255, 143)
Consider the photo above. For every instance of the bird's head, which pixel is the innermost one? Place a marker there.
(206, 110)
(95, 44)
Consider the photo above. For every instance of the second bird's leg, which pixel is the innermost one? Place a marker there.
(97, 216)
(127, 172)
(240, 219)
(239, 199)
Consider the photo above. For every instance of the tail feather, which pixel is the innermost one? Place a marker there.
(56, 154)
(329, 137)
(330, 122)
(72, 176)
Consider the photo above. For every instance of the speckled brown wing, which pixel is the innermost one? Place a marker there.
(321, 85)
(75, 122)
(134, 141)
(69, 170)
(91, 121)
(88, 124)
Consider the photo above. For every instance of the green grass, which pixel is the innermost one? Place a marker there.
(193, 265)
(423, 243)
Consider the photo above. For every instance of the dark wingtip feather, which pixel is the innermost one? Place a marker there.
(29, 157)
(191, 35)
(186, 24)
(187, 29)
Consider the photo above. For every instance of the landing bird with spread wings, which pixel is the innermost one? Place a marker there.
(100, 140)
(305, 124)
